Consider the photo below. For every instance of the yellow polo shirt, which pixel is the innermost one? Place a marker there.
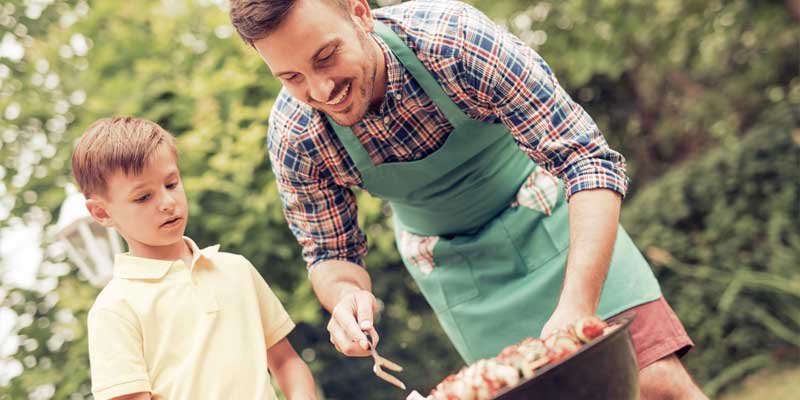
(185, 332)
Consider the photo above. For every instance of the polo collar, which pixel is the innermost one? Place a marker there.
(127, 266)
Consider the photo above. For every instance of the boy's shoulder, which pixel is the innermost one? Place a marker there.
(115, 298)
(223, 257)
(235, 266)
(219, 259)
(228, 260)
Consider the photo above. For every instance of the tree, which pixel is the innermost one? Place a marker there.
(726, 248)
(183, 67)
(37, 99)
(666, 81)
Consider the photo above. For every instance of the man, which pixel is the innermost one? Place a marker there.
(461, 128)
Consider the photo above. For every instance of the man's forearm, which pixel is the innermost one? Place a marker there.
(334, 279)
(593, 220)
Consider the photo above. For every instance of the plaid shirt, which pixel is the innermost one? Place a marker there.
(490, 74)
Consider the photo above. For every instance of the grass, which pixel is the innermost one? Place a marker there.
(772, 384)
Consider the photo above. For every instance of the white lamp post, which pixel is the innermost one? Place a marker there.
(90, 245)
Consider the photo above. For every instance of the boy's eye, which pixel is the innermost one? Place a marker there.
(142, 199)
(172, 185)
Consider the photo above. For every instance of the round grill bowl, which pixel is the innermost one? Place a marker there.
(603, 369)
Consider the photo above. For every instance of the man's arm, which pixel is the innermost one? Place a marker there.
(291, 372)
(322, 214)
(345, 290)
(520, 89)
(593, 222)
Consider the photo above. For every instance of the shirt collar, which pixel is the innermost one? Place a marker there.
(127, 266)
(394, 75)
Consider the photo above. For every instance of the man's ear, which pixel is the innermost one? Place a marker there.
(362, 14)
(99, 212)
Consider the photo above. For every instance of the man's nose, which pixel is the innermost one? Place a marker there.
(321, 88)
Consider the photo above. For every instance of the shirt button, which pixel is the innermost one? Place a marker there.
(386, 120)
(398, 96)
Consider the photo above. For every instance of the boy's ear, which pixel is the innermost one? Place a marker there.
(99, 213)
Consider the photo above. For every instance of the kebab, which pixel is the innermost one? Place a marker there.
(486, 378)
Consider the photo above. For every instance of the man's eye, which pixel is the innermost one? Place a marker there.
(327, 56)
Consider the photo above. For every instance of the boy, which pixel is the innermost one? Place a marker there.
(175, 322)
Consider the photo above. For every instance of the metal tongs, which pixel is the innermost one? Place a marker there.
(381, 363)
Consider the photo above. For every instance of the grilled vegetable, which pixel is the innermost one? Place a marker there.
(486, 378)
(588, 328)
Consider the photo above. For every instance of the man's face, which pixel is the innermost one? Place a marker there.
(326, 59)
(149, 210)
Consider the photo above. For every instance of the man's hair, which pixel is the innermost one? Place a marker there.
(116, 144)
(255, 19)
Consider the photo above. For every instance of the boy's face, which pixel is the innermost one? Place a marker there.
(149, 210)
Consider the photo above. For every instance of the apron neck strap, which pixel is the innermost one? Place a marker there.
(451, 111)
(352, 145)
(422, 75)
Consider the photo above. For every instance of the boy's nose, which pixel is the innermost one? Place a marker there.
(167, 203)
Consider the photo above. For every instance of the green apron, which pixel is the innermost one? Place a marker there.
(484, 231)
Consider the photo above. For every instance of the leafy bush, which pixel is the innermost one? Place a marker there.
(722, 235)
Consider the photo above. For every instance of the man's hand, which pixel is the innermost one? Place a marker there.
(349, 319)
(344, 289)
(562, 317)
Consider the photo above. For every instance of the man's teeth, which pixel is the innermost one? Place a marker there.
(338, 99)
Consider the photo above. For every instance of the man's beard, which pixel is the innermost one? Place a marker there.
(359, 105)
(360, 100)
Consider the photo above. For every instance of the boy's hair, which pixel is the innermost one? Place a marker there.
(255, 19)
(113, 144)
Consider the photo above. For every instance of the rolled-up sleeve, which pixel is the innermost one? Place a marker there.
(322, 215)
(521, 89)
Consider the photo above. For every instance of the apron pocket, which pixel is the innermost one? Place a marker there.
(538, 238)
(557, 226)
(443, 276)
(456, 277)
(537, 221)
(540, 192)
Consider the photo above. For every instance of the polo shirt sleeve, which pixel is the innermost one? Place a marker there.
(274, 318)
(115, 355)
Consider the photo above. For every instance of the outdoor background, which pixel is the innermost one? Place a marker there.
(701, 96)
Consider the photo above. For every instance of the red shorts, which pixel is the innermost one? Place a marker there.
(657, 332)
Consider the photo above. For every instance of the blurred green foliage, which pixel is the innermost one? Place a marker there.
(722, 234)
(667, 81)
